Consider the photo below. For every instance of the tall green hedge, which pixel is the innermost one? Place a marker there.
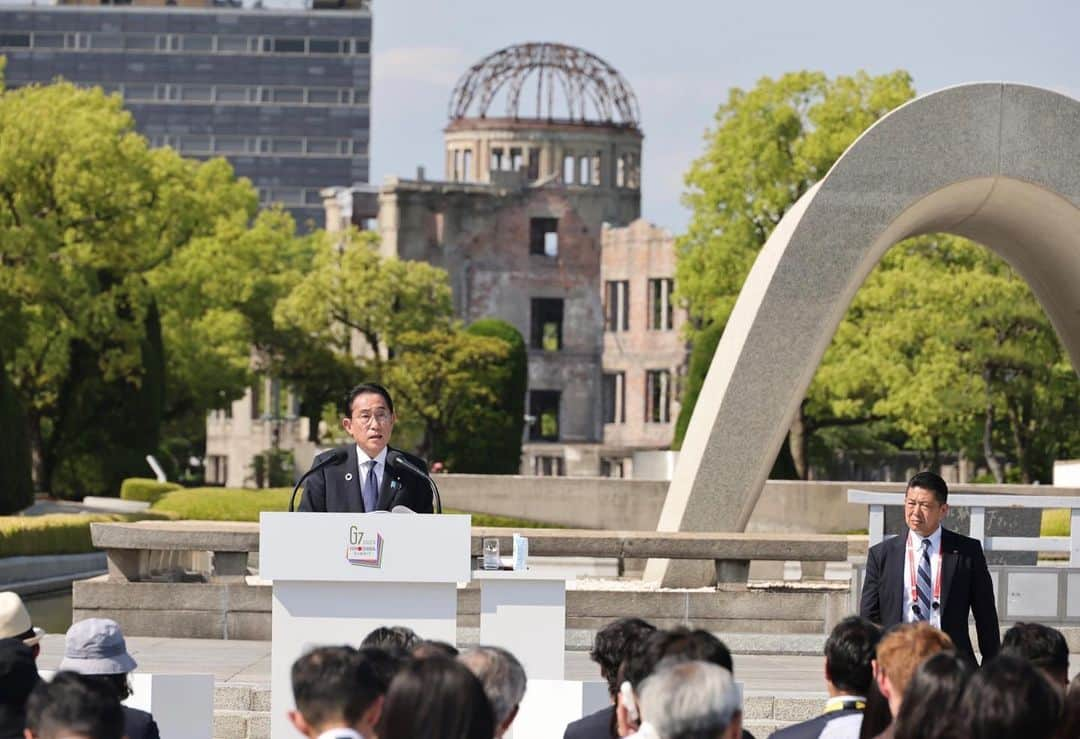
(16, 483)
(497, 451)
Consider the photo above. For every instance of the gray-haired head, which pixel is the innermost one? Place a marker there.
(503, 678)
(689, 700)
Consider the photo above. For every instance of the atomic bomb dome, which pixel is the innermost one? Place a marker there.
(544, 112)
(547, 82)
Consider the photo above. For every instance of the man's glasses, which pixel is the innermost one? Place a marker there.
(380, 417)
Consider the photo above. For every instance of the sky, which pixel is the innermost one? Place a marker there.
(681, 57)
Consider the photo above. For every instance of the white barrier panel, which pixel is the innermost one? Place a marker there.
(549, 705)
(182, 705)
(525, 613)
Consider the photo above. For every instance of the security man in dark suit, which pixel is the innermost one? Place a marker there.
(932, 574)
(367, 480)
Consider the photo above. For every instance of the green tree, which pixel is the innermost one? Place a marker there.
(447, 381)
(947, 344)
(344, 318)
(768, 147)
(489, 440)
(88, 216)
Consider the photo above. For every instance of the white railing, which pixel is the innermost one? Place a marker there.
(978, 504)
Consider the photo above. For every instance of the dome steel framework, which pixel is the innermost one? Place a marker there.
(569, 84)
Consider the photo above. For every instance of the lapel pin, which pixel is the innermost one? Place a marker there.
(348, 476)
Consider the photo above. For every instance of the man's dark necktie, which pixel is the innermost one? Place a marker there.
(370, 489)
(924, 582)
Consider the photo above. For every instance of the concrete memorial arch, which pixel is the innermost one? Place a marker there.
(996, 163)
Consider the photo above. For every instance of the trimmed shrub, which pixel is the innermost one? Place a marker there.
(496, 450)
(223, 504)
(56, 533)
(145, 489)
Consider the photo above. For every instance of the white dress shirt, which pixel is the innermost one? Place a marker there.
(363, 461)
(340, 734)
(935, 563)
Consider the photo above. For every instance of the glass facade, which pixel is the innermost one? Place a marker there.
(284, 95)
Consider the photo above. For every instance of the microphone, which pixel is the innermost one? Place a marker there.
(337, 456)
(397, 459)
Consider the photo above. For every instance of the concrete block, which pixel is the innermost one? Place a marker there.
(761, 728)
(258, 726)
(175, 624)
(232, 698)
(230, 724)
(757, 707)
(249, 626)
(796, 709)
(260, 699)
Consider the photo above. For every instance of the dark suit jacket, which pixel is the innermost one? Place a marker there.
(328, 491)
(599, 725)
(809, 729)
(965, 587)
(139, 724)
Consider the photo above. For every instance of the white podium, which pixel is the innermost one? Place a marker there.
(337, 576)
(525, 613)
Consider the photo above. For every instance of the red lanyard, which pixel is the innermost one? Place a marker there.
(914, 576)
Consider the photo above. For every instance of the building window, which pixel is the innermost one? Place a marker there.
(217, 467)
(611, 468)
(515, 158)
(617, 305)
(584, 169)
(285, 45)
(614, 397)
(544, 236)
(549, 466)
(657, 396)
(661, 317)
(568, 169)
(547, 322)
(544, 412)
(496, 159)
(533, 172)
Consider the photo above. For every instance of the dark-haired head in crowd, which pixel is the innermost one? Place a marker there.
(18, 676)
(434, 648)
(392, 638)
(340, 689)
(849, 654)
(73, 706)
(1008, 698)
(436, 698)
(676, 645)
(610, 647)
(691, 700)
(1070, 714)
(503, 679)
(931, 697)
(1043, 647)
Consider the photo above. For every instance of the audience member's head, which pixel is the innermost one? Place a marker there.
(15, 622)
(433, 648)
(18, 676)
(612, 645)
(1007, 698)
(1043, 647)
(385, 663)
(691, 700)
(436, 698)
(1070, 714)
(849, 654)
(899, 652)
(94, 647)
(74, 706)
(677, 645)
(392, 637)
(337, 688)
(503, 679)
(931, 697)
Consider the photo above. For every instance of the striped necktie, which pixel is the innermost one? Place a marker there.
(924, 586)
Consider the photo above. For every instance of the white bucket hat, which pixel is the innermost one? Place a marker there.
(95, 646)
(15, 621)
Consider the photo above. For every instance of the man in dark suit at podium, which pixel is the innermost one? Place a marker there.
(368, 479)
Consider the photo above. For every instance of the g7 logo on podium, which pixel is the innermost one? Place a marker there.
(363, 548)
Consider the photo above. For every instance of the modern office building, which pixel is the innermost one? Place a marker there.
(280, 88)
